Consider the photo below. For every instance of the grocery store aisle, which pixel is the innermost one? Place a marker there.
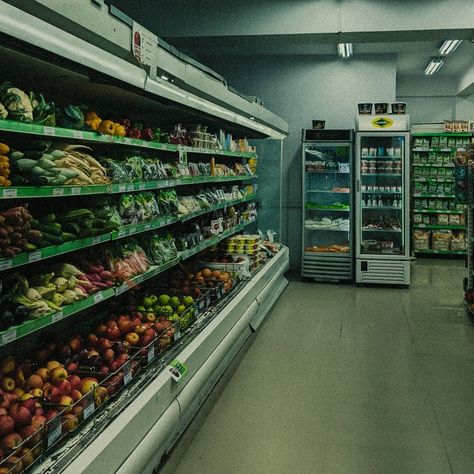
(343, 379)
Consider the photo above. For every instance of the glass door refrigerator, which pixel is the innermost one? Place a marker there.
(327, 249)
(382, 200)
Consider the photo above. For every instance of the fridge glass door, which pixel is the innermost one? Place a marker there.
(327, 198)
(382, 195)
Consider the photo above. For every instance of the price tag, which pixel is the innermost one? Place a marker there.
(9, 336)
(78, 134)
(51, 131)
(122, 188)
(127, 373)
(141, 186)
(54, 430)
(5, 264)
(177, 370)
(130, 187)
(34, 256)
(58, 191)
(9, 193)
(422, 226)
(151, 353)
(89, 409)
(177, 335)
(147, 226)
(121, 289)
(122, 232)
(96, 240)
(127, 140)
(110, 138)
(98, 297)
(57, 316)
(75, 191)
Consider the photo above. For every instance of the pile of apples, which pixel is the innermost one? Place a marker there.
(194, 281)
(33, 393)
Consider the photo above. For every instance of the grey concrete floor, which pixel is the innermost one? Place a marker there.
(343, 379)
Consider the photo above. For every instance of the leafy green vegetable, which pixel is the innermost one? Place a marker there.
(16, 102)
(70, 117)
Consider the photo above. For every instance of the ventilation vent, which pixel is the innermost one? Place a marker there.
(327, 268)
(380, 271)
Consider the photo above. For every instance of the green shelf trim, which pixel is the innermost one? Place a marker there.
(427, 179)
(441, 134)
(90, 136)
(434, 165)
(28, 327)
(436, 195)
(61, 191)
(395, 175)
(439, 226)
(437, 211)
(132, 229)
(444, 252)
(222, 205)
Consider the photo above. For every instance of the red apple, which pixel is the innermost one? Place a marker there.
(113, 333)
(76, 395)
(31, 431)
(111, 324)
(109, 355)
(104, 370)
(3, 411)
(138, 315)
(38, 420)
(10, 442)
(30, 404)
(75, 382)
(27, 457)
(104, 344)
(64, 387)
(57, 375)
(43, 372)
(52, 394)
(101, 330)
(75, 344)
(101, 395)
(72, 366)
(159, 328)
(7, 425)
(67, 402)
(34, 381)
(92, 339)
(51, 414)
(77, 411)
(126, 326)
(69, 422)
(140, 329)
(21, 416)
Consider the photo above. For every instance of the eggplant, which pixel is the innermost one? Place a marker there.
(21, 313)
(7, 319)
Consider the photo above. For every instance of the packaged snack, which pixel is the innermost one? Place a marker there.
(443, 219)
(455, 219)
(458, 241)
(426, 219)
(421, 240)
(441, 240)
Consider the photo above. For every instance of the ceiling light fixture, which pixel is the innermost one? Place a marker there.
(345, 50)
(449, 46)
(434, 66)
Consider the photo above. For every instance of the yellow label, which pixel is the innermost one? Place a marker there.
(382, 122)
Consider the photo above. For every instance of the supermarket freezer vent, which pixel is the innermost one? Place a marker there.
(392, 272)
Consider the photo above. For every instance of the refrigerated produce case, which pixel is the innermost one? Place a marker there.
(134, 428)
(327, 237)
(382, 200)
(438, 215)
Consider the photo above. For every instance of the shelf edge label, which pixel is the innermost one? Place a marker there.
(177, 370)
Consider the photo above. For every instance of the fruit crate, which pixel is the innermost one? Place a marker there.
(24, 454)
(163, 340)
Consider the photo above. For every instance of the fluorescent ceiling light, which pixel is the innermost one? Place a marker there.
(434, 66)
(449, 46)
(345, 50)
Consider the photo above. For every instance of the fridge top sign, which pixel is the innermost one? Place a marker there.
(383, 123)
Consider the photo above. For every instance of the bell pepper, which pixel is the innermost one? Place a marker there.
(4, 149)
(119, 130)
(92, 120)
(107, 127)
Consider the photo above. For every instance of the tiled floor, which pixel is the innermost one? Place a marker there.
(343, 379)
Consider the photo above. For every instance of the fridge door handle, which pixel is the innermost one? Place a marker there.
(358, 185)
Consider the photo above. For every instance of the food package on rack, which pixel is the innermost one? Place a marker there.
(456, 219)
(440, 240)
(443, 219)
(421, 239)
(458, 241)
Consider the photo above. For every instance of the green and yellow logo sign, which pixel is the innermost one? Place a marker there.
(382, 122)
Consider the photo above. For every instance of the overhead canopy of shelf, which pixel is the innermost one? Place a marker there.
(62, 52)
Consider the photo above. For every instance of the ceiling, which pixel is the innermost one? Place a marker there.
(412, 56)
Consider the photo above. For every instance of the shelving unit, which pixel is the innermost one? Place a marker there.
(432, 176)
(103, 79)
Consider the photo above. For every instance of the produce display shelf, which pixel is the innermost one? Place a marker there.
(442, 252)
(437, 211)
(62, 191)
(80, 244)
(90, 136)
(221, 205)
(439, 226)
(435, 195)
(435, 165)
(382, 207)
(424, 179)
(327, 171)
(28, 327)
(441, 134)
(214, 240)
(444, 149)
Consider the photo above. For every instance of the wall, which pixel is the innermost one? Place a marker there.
(302, 88)
(465, 107)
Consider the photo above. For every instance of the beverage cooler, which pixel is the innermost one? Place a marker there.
(382, 200)
(327, 249)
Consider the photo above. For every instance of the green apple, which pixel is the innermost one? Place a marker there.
(181, 309)
(188, 301)
(153, 299)
(164, 300)
(141, 308)
(174, 302)
(147, 302)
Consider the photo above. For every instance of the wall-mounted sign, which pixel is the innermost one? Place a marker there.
(144, 44)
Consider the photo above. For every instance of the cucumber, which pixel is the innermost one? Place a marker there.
(68, 236)
(51, 229)
(52, 239)
(48, 218)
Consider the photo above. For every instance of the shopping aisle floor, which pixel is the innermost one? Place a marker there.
(343, 379)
